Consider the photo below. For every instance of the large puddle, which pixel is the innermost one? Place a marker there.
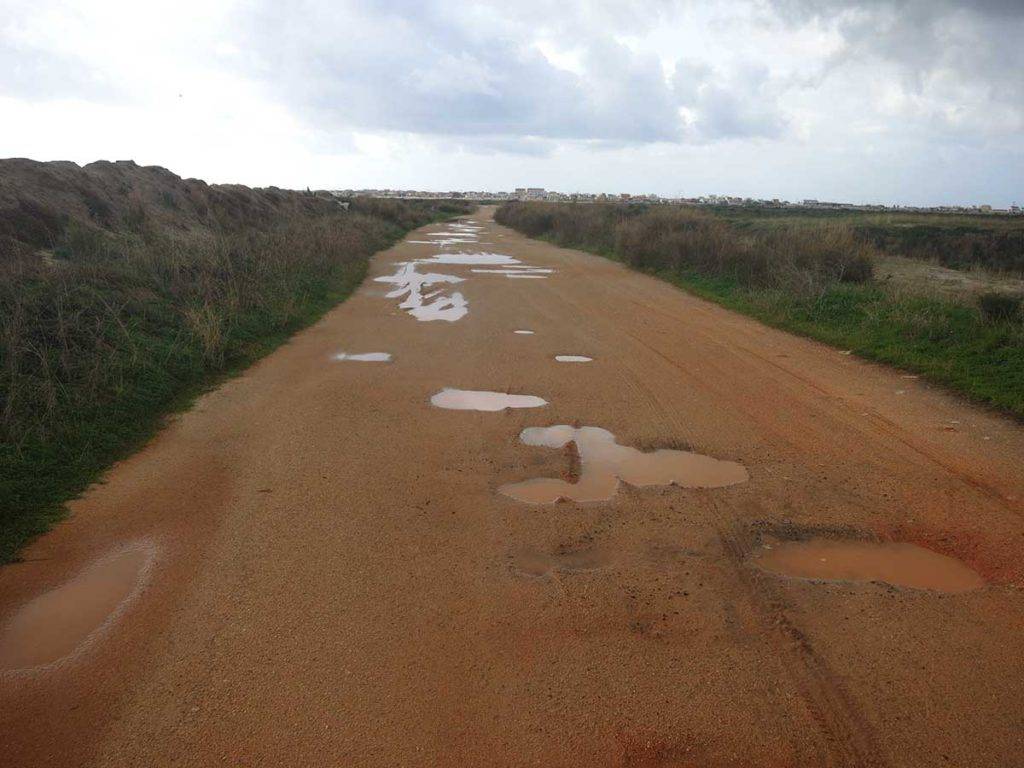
(603, 463)
(472, 259)
(413, 286)
(433, 305)
(900, 564)
(58, 622)
(472, 400)
(456, 234)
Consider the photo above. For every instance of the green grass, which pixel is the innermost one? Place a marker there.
(944, 342)
(776, 275)
(97, 352)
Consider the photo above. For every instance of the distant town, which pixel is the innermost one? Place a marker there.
(551, 196)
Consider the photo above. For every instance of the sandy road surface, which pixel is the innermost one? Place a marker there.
(337, 581)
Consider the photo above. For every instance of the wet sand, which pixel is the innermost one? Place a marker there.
(336, 580)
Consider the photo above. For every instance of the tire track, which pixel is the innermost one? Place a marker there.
(849, 739)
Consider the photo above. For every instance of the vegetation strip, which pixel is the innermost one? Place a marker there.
(812, 278)
(132, 291)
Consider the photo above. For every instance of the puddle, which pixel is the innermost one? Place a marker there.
(900, 564)
(524, 333)
(365, 357)
(432, 306)
(470, 400)
(474, 259)
(533, 562)
(453, 233)
(445, 242)
(59, 622)
(515, 272)
(573, 358)
(604, 463)
(436, 305)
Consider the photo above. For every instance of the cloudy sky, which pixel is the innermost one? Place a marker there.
(911, 101)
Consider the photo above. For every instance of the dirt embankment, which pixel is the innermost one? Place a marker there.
(40, 201)
(123, 289)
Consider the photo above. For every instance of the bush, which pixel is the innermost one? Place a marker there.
(996, 306)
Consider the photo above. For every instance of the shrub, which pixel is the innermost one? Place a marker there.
(997, 306)
(806, 258)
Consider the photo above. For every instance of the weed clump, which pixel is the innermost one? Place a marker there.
(997, 306)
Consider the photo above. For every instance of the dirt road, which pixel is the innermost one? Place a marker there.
(333, 577)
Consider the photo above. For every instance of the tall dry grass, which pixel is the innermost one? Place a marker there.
(805, 258)
(104, 333)
(812, 277)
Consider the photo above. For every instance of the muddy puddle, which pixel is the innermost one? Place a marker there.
(573, 359)
(899, 564)
(60, 622)
(535, 563)
(603, 464)
(364, 357)
(474, 400)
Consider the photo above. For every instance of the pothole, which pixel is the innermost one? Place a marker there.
(603, 463)
(473, 400)
(896, 563)
(59, 622)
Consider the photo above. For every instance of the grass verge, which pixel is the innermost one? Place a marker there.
(812, 280)
(945, 342)
(102, 339)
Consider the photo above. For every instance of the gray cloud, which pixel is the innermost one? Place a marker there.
(442, 68)
(959, 57)
(418, 71)
(38, 74)
(595, 93)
